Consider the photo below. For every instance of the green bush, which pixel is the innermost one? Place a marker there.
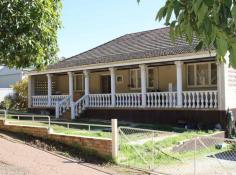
(17, 100)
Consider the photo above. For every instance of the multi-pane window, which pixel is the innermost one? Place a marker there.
(202, 74)
(78, 82)
(135, 78)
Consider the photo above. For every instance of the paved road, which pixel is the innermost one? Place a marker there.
(20, 159)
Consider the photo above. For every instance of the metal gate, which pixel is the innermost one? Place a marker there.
(159, 153)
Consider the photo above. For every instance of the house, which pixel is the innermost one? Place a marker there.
(8, 77)
(142, 77)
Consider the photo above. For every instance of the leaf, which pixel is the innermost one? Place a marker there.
(177, 7)
(196, 5)
(232, 55)
(233, 12)
(201, 13)
(160, 13)
(221, 46)
(199, 46)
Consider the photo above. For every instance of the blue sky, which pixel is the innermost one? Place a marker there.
(89, 23)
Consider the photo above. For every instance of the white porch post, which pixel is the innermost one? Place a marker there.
(86, 85)
(222, 84)
(113, 86)
(143, 83)
(49, 76)
(30, 90)
(71, 94)
(179, 83)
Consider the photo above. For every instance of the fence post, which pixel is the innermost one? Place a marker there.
(5, 117)
(57, 110)
(195, 149)
(114, 139)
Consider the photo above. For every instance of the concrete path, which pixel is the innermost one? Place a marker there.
(18, 159)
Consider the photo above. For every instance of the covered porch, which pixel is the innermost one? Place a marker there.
(191, 84)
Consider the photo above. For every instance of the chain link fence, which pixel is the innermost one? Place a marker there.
(161, 153)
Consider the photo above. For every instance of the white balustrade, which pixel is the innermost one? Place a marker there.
(162, 99)
(40, 101)
(80, 105)
(200, 99)
(129, 99)
(57, 98)
(63, 105)
(99, 100)
(191, 99)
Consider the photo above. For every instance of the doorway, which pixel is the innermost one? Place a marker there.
(105, 84)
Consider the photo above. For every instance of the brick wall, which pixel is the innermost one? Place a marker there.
(99, 145)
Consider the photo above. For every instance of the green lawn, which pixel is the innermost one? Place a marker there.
(62, 129)
(160, 153)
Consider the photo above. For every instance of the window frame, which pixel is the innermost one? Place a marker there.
(195, 75)
(76, 85)
(136, 78)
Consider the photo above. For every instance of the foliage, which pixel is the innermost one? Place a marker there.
(212, 22)
(28, 32)
(17, 100)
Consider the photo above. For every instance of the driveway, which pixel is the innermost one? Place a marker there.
(18, 159)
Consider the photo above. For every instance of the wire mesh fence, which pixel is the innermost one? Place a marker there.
(157, 152)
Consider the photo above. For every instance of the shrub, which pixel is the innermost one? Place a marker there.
(17, 100)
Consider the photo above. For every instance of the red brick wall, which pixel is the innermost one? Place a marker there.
(99, 145)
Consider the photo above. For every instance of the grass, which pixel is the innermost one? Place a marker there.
(62, 129)
(160, 154)
(175, 140)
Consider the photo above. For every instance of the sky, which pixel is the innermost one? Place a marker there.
(89, 23)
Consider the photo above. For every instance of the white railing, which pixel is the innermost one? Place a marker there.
(80, 105)
(62, 106)
(57, 98)
(161, 99)
(40, 101)
(200, 99)
(99, 100)
(128, 100)
(191, 99)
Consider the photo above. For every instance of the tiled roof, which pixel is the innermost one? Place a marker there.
(147, 44)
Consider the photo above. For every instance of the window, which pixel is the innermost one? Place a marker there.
(135, 78)
(119, 79)
(150, 78)
(78, 82)
(202, 74)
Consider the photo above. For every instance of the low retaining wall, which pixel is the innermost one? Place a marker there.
(101, 146)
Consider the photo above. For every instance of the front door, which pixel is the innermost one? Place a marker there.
(105, 84)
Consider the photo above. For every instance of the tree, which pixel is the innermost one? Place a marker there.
(28, 32)
(212, 22)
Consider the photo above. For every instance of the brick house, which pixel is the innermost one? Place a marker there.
(142, 77)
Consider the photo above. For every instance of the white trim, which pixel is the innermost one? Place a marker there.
(195, 75)
(178, 57)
